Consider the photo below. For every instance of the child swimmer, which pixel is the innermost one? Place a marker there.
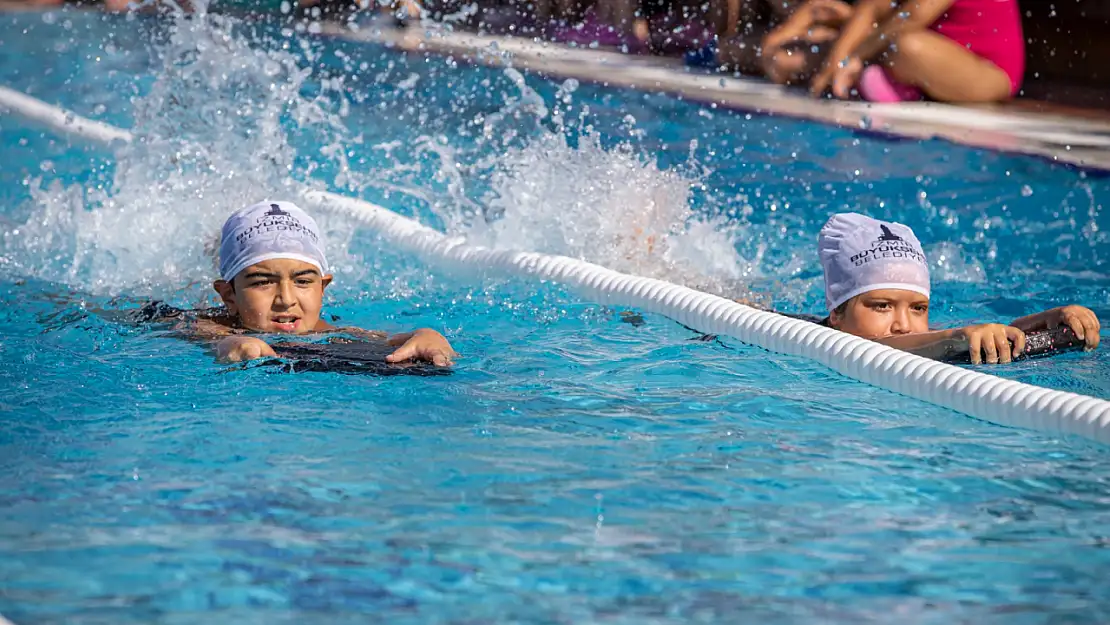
(273, 275)
(877, 287)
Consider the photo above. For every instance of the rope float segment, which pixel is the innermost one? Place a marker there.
(974, 393)
(60, 120)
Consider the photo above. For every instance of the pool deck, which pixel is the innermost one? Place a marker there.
(1079, 137)
(1069, 135)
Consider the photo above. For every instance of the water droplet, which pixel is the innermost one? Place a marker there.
(1026, 190)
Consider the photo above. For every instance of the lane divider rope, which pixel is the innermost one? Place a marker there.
(974, 393)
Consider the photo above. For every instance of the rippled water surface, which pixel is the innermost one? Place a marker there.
(576, 468)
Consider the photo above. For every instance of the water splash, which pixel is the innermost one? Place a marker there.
(952, 263)
(214, 133)
(612, 207)
(609, 205)
(209, 138)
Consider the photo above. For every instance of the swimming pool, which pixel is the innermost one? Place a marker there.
(575, 468)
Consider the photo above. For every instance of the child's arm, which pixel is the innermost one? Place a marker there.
(807, 21)
(872, 27)
(423, 344)
(815, 22)
(240, 348)
(1081, 320)
(989, 342)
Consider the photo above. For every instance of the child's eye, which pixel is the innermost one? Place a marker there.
(304, 281)
(881, 305)
(260, 283)
(921, 308)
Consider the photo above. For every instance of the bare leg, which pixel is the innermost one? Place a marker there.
(945, 70)
(731, 17)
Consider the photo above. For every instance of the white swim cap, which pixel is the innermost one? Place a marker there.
(266, 231)
(861, 254)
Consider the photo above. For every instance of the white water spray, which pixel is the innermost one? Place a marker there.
(208, 139)
(213, 135)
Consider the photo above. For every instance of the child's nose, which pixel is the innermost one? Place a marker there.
(901, 323)
(285, 293)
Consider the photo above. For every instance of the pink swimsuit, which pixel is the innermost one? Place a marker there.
(989, 28)
(992, 30)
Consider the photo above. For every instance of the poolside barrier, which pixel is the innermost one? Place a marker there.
(974, 393)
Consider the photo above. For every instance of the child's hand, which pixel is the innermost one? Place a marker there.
(1081, 320)
(990, 342)
(423, 344)
(240, 348)
(840, 77)
(846, 78)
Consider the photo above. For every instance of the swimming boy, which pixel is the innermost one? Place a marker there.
(877, 287)
(273, 276)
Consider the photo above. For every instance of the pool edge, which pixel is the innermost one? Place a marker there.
(1047, 136)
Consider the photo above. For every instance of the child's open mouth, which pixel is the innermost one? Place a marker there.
(286, 323)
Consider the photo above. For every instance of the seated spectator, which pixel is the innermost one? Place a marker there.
(946, 50)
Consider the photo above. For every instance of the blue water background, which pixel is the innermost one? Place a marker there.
(575, 468)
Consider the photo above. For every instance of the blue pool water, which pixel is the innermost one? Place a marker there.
(575, 468)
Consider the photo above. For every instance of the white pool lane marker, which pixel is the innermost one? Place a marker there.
(60, 119)
(974, 393)
(1064, 139)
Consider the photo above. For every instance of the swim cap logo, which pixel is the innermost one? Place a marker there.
(280, 227)
(888, 245)
(887, 235)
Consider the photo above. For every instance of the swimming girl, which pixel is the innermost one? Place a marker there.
(877, 287)
(892, 51)
(273, 276)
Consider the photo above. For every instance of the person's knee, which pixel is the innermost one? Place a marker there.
(913, 54)
(909, 48)
(907, 54)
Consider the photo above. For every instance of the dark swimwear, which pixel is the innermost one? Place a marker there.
(337, 354)
(161, 312)
(351, 357)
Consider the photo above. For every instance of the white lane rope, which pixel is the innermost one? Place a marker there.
(974, 393)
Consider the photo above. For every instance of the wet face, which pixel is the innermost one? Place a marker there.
(280, 295)
(882, 313)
